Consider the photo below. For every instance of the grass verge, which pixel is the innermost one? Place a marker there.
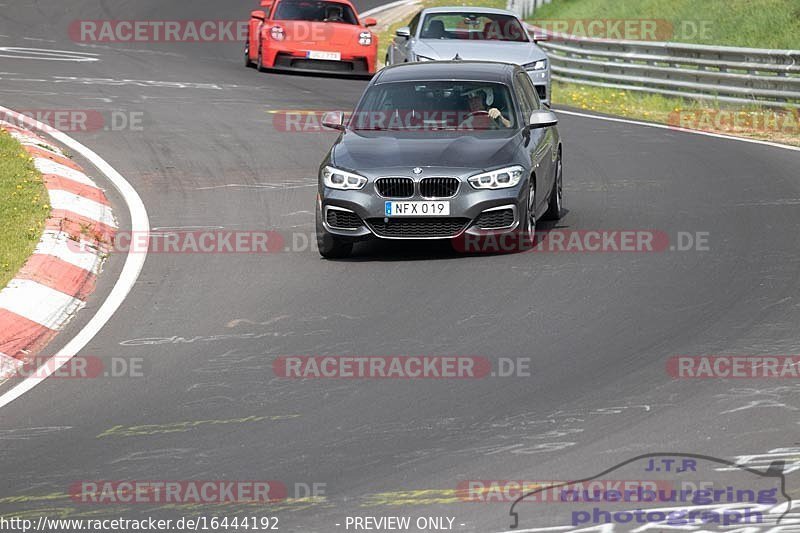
(751, 23)
(24, 206)
(753, 122)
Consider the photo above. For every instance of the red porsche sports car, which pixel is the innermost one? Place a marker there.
(311, 35)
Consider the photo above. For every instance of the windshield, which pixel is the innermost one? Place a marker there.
(435, 105)
(473, 26)
(315, 12)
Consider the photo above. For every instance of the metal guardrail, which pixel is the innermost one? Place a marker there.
(728, 74)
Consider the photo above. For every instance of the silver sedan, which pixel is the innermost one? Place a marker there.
(471, 33)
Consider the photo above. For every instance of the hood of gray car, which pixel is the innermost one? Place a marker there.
(364, 151)
(507, 52)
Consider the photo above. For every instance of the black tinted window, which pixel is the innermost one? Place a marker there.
(315, 12)
(473, 26)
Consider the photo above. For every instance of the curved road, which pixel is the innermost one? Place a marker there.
(597, 327)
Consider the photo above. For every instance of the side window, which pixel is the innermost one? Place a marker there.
(414, 24)
(530, 90)
(526, 104)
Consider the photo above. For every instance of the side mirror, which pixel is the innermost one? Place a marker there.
(333, 120)
(542, 119)
(404, 32)
(258, 14)
(369, 22)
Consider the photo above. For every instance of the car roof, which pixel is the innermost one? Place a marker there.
(490, 71)
(467, 9)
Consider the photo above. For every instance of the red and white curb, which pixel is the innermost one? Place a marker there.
(57, 279)
(132, 267)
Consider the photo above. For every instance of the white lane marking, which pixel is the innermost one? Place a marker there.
(39, 303)
(81, 205)
(61, 246)
(130, 271)
(287, 185)
(790, 455)
(675, 128)
(177, 228)
(141, 83)
(387, 7)
(42, 54)
(47, 166)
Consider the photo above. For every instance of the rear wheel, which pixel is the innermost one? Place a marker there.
(556, 204)
(330, 246)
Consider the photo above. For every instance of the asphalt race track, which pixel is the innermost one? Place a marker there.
(598, 327)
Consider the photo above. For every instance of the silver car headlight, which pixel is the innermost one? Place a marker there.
(341, 179)
(536, 65)
(498, 179)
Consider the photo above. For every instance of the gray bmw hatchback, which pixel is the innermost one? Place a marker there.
(440, 150)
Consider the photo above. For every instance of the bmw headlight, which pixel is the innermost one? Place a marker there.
(536, 65)
(498, 179)
(341, 179)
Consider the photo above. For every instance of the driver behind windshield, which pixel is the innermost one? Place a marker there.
(334, 13)
(482, 115)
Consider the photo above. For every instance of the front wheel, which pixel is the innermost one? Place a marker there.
(556, 205)
(260, 63)
(330, 246)
(527, 223)
(247, 62)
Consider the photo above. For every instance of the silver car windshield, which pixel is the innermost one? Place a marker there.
(473, 27)
(435, 105)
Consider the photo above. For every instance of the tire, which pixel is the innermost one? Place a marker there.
(527, 225)
(260, 63)
(556, 205)
(330, 246)
(247, 62)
